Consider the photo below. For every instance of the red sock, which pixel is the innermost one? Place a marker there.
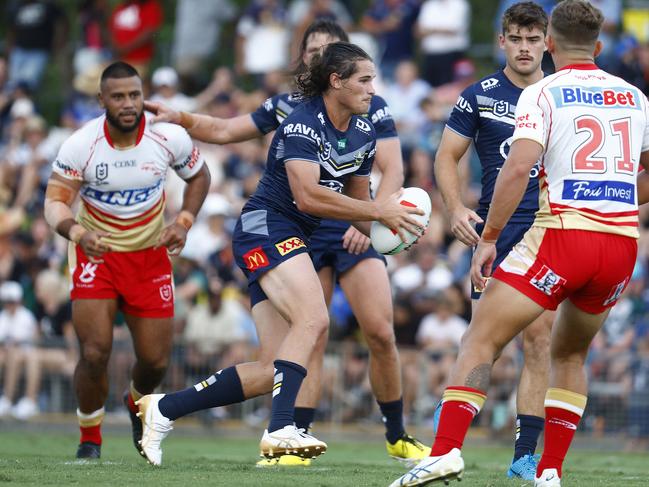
(130, 403)
(560, 427)
(91, 434)
(460, 405)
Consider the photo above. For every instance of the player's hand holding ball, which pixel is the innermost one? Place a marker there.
(404, 217)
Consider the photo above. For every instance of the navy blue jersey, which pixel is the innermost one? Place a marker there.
(275, 109)
(307, 134)
(484, 112)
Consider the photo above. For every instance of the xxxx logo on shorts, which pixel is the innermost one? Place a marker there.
(255, 259)
(289, 245)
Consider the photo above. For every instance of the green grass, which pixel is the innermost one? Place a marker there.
(33, 458)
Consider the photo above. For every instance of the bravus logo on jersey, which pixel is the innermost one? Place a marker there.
(300, 129)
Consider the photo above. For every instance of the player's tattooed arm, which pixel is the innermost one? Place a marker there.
(479, 377)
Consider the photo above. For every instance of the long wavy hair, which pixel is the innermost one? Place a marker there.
(338, 57)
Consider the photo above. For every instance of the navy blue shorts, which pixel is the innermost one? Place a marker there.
(262, 240)
(510, 236)
(327, 248)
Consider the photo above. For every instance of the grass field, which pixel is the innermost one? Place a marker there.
(32, 458)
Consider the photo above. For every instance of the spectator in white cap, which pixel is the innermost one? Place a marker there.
(18, 332)
(164, 82)
(166, 89)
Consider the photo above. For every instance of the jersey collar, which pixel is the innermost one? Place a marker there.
(585, 66)
(140, 132)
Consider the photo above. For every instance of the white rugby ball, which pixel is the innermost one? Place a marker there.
(386, 241)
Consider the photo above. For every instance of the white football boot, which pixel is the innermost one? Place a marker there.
(548, 478)
(433, 469)
(155, 427)
(291, 441)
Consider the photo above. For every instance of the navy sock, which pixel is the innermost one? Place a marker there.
(528, 429)
(286, 385)
(220, 389)
(304, 417)
(393, 419)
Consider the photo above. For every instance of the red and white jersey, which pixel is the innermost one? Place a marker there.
(593, 127)
(123, 189)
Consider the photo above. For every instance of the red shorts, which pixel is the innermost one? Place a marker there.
(141, 280)
(589, 268)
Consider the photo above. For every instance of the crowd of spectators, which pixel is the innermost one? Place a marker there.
(422, 48)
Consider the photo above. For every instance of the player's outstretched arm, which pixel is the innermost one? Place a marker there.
(451, 149)
(174, 236)
(205, 128)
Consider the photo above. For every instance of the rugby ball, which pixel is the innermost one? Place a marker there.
(387, 241)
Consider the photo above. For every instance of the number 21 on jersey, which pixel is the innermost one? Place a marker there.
(587, 157)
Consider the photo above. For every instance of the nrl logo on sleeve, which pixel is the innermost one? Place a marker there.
(363, 126)
(289, 245)
(268, 105)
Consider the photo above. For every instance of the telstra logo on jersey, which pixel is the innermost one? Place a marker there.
(565, 96)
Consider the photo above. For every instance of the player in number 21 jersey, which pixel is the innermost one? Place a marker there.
(589, 114)
(591, 132)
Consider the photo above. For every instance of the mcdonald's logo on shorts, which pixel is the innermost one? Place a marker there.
(289, 245)
(255, 259)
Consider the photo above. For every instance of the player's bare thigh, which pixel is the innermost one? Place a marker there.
(367, 288)
(93, 322)
(294, 289)
(152, 338)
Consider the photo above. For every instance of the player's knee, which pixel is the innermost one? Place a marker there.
(321, 342)
(479, 344)
(95, 356)
(381, 340)
(318, 325)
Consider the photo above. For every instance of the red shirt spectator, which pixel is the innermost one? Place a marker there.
(132, 27)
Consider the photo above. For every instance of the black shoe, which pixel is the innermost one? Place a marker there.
(89, 450)
(136, 426)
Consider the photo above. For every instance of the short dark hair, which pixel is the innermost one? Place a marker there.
(118, 69)
(525, 14)
(576, 22)
(337, 57)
